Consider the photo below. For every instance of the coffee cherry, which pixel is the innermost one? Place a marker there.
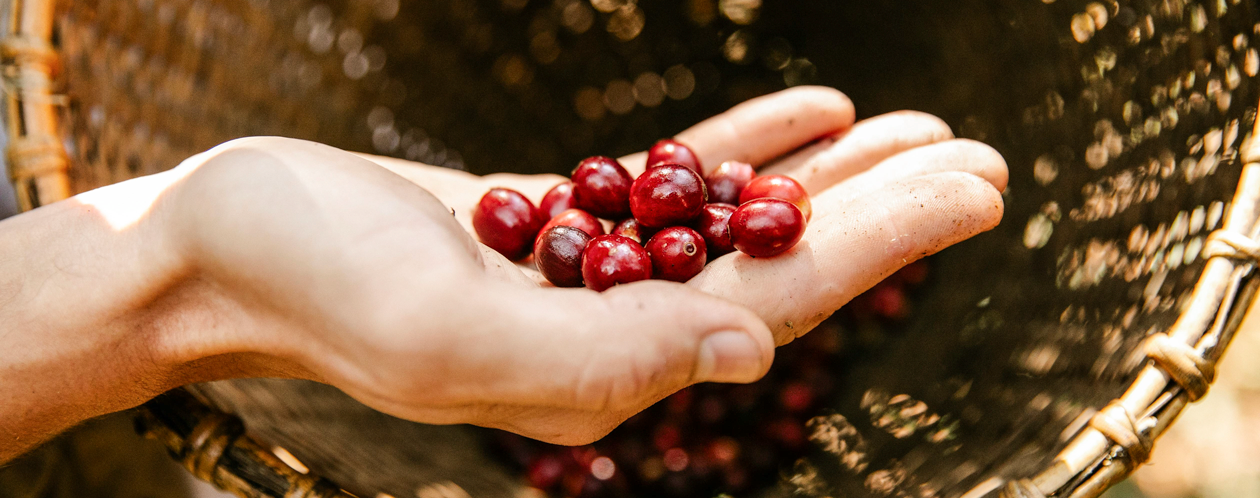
(667, 195)
(601, 186)
(712, 225)
(631, 228)
(507, 222)
(558, 253)
(677, 253)
(673, 152)
(612, 259)
(545, 471)
(766, 227)
(557, 200)
(579, 219)
(778, 187)
(728, 181)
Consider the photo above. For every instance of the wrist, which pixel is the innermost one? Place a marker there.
(74, 277)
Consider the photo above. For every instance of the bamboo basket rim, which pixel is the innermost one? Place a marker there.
(214, 446)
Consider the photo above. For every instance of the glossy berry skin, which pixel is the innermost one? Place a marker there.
(667, 195)
(557, 200)
(678, 253)
(576, 218)
(728, 181)
(778, 187)
(631, 228)
(712, 225)
(507, 222)
(558, 253)
(766, 227)
(612, 259)
(673, 152)
(601, 186)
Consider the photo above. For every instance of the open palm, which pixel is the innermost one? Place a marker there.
(336, 270)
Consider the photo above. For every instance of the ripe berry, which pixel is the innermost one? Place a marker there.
(778, 187)
(712, 225)
(558, 253)
(557, 200)
(507, 222)
(673, 152)
(579, 219)
(631, 228)
(667, 195)
(677, 253)
(728, 181)
(545, 471)
(612, 259)
(601, 186)
(766, 227)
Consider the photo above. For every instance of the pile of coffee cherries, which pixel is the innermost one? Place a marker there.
(666, 224)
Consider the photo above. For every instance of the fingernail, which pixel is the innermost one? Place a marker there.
(729, 356)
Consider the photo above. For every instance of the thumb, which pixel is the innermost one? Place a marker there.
(622, 349)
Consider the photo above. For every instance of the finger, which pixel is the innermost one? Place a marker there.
(967, 156)
(870, 141)
(764, 128)
(851, 245)
(599, 352)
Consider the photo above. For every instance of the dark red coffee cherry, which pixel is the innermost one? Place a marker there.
(507, 222)
(766, 227)
(712, 225)
(545, 471)
(728, 181)
(579, 219)
(558, 253)
(677, 253)
(631, 228)
(778, 187)
(557, 200)
(612, 259)
(673, 152)
(601, 186)
(667, 195)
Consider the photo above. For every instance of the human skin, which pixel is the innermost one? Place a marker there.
(270, 257)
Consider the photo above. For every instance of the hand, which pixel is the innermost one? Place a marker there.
(886, 191)
(309, 262)
(395, 304)
(282, 258)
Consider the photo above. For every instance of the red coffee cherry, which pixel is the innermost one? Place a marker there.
(579, 219)
(677, 253)
(557, 200)
(778, 187)
(728, 181)
(712, 225)
(631, 228)
(558, 253)
(673, 152)
(667, 195)
(601, 186)
(766, 227)
(507, 222)
(612, 259)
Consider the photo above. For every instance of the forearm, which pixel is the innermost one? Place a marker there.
(76, 278)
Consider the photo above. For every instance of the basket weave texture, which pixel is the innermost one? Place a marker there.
(1123, 267)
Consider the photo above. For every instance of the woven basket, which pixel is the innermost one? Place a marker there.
(1043, 358)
